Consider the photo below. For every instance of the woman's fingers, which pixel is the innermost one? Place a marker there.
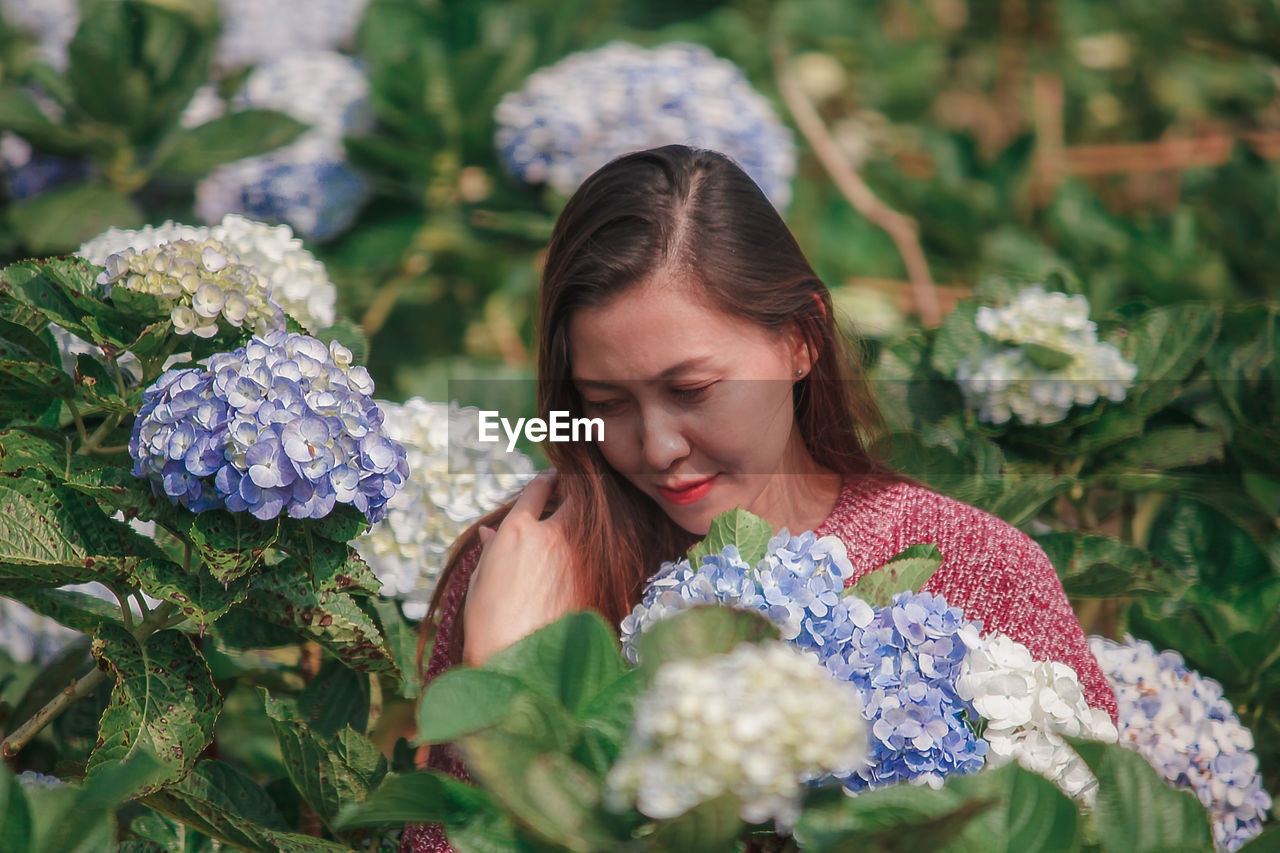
(486, 535)
(534, 497)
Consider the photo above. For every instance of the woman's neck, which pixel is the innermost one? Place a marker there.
(801, 494)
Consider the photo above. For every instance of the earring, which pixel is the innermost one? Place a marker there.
(799, 372)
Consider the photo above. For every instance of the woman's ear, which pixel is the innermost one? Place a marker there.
(802, 354)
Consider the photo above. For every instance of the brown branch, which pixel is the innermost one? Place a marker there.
(902, 229)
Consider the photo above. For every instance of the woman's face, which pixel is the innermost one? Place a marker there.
(696, 403)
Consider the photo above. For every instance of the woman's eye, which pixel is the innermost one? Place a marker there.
(689, 395)
(601, 407)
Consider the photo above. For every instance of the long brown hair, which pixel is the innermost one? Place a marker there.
(693, 211)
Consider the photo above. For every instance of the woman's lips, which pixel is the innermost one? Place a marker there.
(690, 493)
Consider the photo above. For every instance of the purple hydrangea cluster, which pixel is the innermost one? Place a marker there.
(283, 424)
(1185, 727)
(907, 662)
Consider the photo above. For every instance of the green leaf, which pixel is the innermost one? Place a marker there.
(1164, 449)
(81, 819)
(1047, 358)
(331, 565)
(551, 795)
(421, 797)
(223, 803)
(198, 595)
(52, 536)
(16, 823)
(59, 220)
(958, 338)
(569, 661)
(402, 638)
(336, 698)
(711, 826)
(329, 773)
(462, 701)
(1092, 566)
(700, 632)
(1137, 810)
(332, 619)
(749, 533)
(31, 377)
(906, 572)
(164, 702)
(195, 152)
(76, 610)
(1165, 343)
(1267, 842)
(1032, 815)
(231, 544)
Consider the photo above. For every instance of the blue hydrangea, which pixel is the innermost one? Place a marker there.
(796, 585)
(573, 117)
(283, 424)
(906, 662)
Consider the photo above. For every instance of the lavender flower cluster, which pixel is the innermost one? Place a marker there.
(283, 424)
(904, 658)
(573, 117)
(1182, 724)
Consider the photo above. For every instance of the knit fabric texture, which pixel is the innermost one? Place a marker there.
(990, 569)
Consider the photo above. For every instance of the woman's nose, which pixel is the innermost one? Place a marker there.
(662, 441)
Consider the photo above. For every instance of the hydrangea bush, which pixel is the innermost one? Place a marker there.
(1182, 724)
(573, 117)
(1042, 357)
(454, 479)
(924, 671)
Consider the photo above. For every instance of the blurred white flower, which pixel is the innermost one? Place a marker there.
(1028, 706)
(1044, 359)
(51, 23)
(757, 722)
(571, 118)
(308, 183)
(256, 31)
(1182, 724)
(454, 479)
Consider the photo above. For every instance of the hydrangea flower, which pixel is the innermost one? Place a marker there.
(1016, 375)
(254, 30)
(283, 424)
(1028, 706)
(1181, 723)
(454, 479)
(299, 282)
(740, 723)
(796, 586)
(308, 183)
(33, 781)
(201, 282)
(906, 663)
(573, 117)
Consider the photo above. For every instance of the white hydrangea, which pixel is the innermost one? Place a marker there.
(201, 281)
(571, 118)
(254, 30)
(299, 281)
(1182, 724)
(454, 479)
(757, 722)
(1015, 376)
(205, 105)
(1029, 705)
(308, 183)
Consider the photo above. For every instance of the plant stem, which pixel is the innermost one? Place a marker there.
(159, 618)
(375, 702)
(91, 443)
(126, 612)
(75, 415)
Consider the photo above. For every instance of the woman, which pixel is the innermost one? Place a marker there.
(678, 308)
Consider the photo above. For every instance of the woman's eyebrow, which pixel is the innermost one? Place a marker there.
(674, 370)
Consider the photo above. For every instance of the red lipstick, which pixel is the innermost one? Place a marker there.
(689, 493)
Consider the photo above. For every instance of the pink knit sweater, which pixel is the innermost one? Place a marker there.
(993, 571)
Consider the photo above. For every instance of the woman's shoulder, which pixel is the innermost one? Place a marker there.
(883, 515)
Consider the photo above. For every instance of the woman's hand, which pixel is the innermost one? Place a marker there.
(523, 580)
